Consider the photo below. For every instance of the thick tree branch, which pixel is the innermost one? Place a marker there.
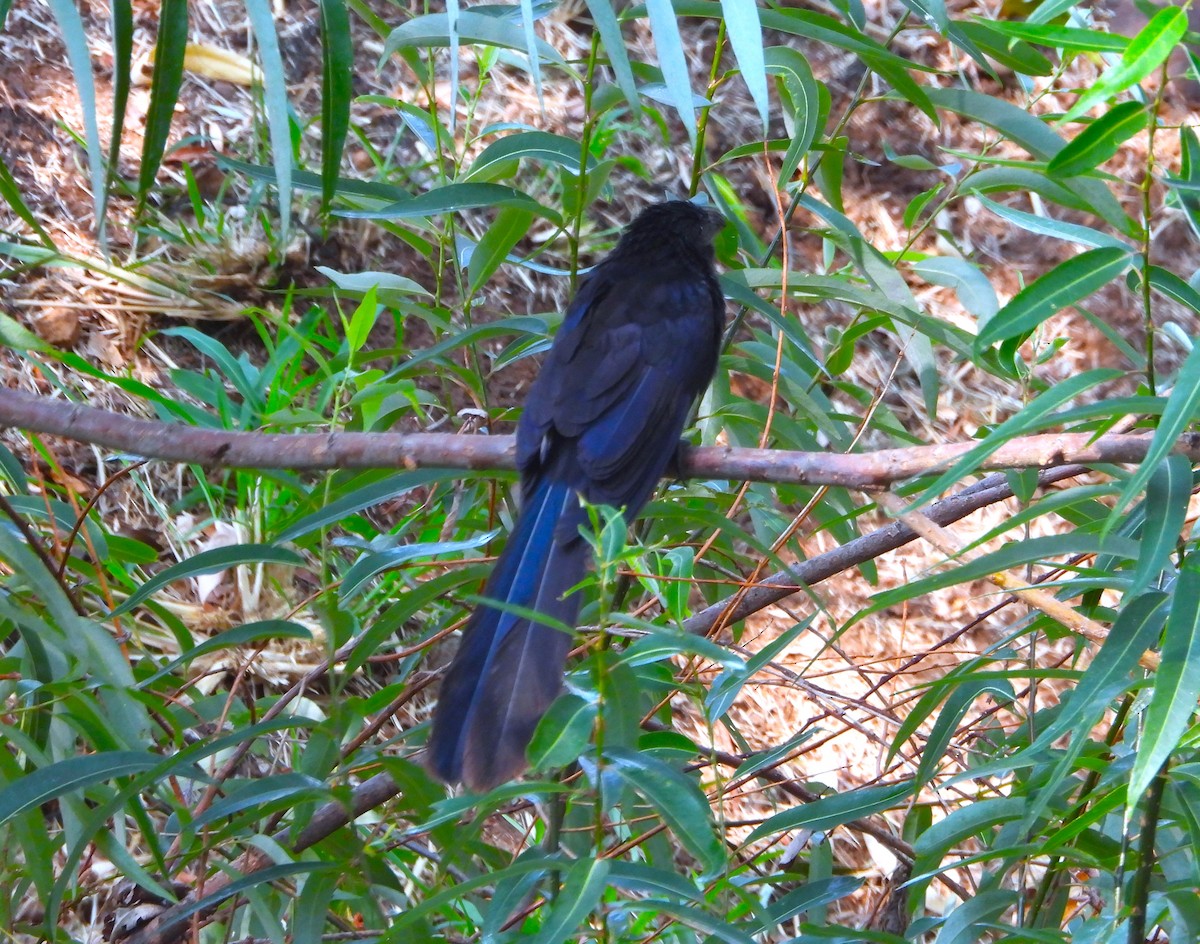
(312, 451)
(990, 490)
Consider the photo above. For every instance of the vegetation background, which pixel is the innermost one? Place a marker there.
(949, 223)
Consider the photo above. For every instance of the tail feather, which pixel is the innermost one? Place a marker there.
(508, 669)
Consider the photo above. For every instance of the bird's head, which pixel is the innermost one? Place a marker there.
(662, 224)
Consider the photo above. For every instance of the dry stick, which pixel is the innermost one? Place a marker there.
(1049, 604)
(316, 451)
(167, 928)
(990, 490)
(171, 926)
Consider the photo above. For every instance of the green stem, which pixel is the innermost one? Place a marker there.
(714, 82)
(1147, 220)
(585, 150)
(1139, 889)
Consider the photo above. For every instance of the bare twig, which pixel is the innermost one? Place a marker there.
(990, 490)
(313, 451)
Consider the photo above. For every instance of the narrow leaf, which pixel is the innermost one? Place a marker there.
(210, 562)
(1134, 631)
(1167, 495)
(1176, 685)
(673, 62)
(745, 36)
(1099, 141)
(1056, 229)
(47, 783)
(337, 62)
(1146, 52)
(1067, 283)
(164, 90)
(605, 20)
(1178, 414)
(262, 21)
(70, 24)
(580, 892)
(837, 810)
(678, 799)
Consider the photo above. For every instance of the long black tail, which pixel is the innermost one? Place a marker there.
(509, 669)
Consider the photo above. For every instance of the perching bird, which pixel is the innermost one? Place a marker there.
(602, 421)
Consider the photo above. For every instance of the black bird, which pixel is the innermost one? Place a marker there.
(602, 421)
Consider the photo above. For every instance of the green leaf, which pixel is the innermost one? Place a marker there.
(1056, 229)
(563, 733)
(579, 893)
(663, 645)
(1169, 284)
(1176, 684)
(262, 22)
(1067, 283)
(963, 823)
(385, 284)
(374, 492)
(55, 780)
(509, 227)
(1100, 140)
(1178, 414)
(745, 36)
(964, 923)
(1134, 631)
(1010, 52)
(10, 191)
(1167, 495)
(609, 29)
(433, 29)
(1029, 418)
(1011, 555)
(311, 910)
(677, 798)
(1184, 187)
(531, 51)
(819, 27)
(243, 885)
(337, 63)
(1031, 133)
(365, 569)
(228, 639)
(122, 64)
(673, 62)
(362, 320)
(164, 90)
(810, 895)
(1069, 38)
(1145, 53)
(553, 149)
(74, 35)
(450, 199)
(261, 792)
(210, 562)
(640, 877)
(974, 291)
(828, 812)
(804, 98)
(943, 729)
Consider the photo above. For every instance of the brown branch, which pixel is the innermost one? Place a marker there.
(171, 926)
(314, 451)
(990, 490)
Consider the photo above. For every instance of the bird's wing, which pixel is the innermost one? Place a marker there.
(620, 383)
